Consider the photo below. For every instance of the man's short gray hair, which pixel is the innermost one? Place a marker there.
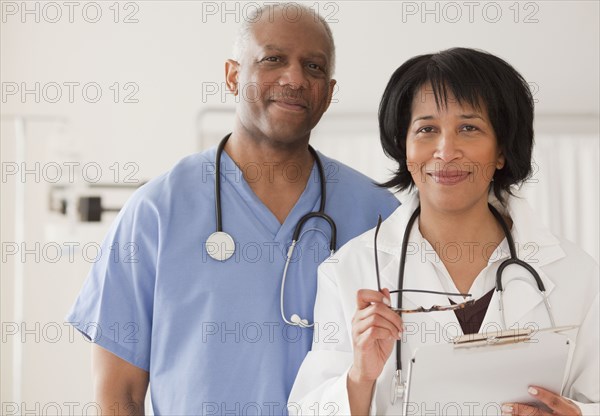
(255, 15)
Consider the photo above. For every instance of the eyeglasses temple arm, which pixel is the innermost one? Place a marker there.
(376, 257)
(432, 292)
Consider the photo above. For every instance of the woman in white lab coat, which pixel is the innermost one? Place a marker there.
(460, 125)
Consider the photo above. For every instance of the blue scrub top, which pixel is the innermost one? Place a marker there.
(210, 333)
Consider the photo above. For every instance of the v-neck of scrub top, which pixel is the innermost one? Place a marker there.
(307, 202)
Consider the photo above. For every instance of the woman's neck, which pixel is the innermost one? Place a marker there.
(475, 224)
(464, 241)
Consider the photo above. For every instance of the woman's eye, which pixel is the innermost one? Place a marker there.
(426, 129)
(469, 128)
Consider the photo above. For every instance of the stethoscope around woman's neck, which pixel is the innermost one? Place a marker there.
(398, 385)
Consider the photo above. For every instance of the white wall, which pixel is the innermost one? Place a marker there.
(171, 54)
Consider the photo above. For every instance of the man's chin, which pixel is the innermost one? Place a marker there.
(288, 137)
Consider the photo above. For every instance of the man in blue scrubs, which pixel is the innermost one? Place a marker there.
(207, 334)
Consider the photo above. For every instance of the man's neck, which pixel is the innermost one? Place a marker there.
(277, 174)
(247, 152)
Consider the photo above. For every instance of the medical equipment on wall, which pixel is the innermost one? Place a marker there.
(220, 245)
(398, 385)
(88, 208)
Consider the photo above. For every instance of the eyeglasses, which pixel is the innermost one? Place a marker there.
(434, 308)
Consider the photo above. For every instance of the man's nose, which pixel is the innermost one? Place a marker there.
(294, 77)
(448, 147)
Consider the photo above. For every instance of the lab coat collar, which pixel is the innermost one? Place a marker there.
(392, 229)
(530, 235)
(534, 244)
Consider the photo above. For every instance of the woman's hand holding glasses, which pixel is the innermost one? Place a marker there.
(375, 329)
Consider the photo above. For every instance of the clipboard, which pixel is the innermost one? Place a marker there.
(477, 373)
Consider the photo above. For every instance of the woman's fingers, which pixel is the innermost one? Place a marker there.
(557, 404)
(375, 327)
(364, 297)
(522, 410)
(376, 321)
(372, 302)
(371, 335)
(378, 314)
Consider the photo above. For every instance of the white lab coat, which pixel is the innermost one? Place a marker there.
(572, 283)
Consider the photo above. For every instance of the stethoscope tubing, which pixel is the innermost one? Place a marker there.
(218, 212)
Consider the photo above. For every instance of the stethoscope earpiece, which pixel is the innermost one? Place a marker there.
(296, 320)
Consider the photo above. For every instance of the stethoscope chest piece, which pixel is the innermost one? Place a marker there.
(220, 246)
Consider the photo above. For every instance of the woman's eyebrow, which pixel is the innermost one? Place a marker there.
(422, 118)
(471, 116)
(468, 116)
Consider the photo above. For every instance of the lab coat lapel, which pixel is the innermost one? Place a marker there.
(521, 296)
(536, 246)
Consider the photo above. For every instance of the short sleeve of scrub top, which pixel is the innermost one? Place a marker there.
(115, 307)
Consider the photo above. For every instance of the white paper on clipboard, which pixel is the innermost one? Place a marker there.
(476, 378)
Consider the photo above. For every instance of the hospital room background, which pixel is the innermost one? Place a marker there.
(98, 97)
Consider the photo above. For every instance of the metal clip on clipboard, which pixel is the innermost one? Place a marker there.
(507, 336)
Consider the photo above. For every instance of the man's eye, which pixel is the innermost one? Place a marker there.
(271, 59)
(315, 67)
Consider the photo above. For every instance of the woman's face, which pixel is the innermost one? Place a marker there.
(451, 152)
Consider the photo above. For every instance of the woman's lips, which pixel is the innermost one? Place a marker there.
(449, 178)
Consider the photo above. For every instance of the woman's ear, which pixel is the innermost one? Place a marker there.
(501, 161)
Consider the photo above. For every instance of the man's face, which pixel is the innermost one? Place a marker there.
(282, 79)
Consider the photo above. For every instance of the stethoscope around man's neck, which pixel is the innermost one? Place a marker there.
(221, 246)
(398, 385)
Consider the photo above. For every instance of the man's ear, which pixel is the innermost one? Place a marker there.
(331, 86)
(231, 75)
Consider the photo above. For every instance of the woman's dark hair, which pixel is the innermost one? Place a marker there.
(473, 77)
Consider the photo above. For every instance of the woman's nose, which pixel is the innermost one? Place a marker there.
(447, 148)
